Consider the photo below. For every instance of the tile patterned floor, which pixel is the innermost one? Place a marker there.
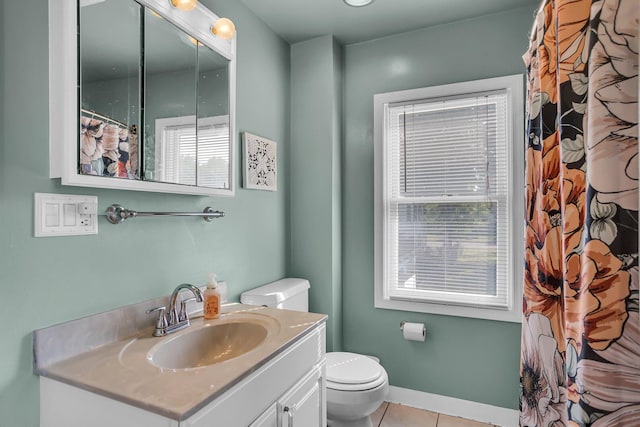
(394, 415)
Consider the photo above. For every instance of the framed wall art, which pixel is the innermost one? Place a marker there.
(260, 168)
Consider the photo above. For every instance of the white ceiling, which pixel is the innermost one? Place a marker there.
(298, 20)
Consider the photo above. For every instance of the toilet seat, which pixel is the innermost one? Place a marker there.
(353, 372)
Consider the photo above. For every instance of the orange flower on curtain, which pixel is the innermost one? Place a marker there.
(580, 363)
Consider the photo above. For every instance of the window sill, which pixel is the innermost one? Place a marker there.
(514, 315)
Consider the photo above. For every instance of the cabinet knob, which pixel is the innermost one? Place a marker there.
(289, 412)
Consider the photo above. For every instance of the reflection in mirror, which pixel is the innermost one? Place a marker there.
(154, 106)
(109, 51)
(169, 93)
(186, 109)
(213, 120)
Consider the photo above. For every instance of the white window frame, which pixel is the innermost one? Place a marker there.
(454, 306)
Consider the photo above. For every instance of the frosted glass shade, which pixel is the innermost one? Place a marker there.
(185, 5)
(224, 28)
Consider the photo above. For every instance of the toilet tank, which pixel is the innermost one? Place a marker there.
(288, 293)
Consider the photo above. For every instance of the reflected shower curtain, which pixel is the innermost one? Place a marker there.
(580, 361)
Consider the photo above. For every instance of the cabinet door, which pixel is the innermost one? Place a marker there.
(268, 419)
(305, 404)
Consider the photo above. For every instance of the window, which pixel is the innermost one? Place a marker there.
(448, 199)
(177, 152)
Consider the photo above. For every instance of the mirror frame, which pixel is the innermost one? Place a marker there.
(64, 90)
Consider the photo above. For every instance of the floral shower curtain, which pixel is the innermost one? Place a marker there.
(580, 360)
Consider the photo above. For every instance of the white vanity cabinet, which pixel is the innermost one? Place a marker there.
(268, 419)
(286, 391)
(303, 406)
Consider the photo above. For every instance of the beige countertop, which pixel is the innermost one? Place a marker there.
(122, 369)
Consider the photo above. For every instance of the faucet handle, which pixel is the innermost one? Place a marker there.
(161, 323)
(183, 315)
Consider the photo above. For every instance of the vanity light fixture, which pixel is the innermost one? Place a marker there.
(358, 3)
(224, 28)
(185, 5)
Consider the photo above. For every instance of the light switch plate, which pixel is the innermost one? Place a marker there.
(65, 215)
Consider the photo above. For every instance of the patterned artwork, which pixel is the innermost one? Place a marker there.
(580, 360)
(260, 170)
(108, 148)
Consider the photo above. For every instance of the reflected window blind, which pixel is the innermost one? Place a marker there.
(180, 154)
(211, 153)
(446, 200)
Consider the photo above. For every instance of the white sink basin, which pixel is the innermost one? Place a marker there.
(208, 344)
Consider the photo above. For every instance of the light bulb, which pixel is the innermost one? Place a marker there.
(224, 29)
(185, 5)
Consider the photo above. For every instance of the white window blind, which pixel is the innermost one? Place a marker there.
(446, 196)
(181, 148)
(447, 205)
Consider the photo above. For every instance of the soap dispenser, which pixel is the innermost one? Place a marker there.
(211, 307)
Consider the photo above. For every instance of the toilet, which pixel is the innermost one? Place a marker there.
(356, 384)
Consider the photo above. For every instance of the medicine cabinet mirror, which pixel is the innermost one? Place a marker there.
(142, 97)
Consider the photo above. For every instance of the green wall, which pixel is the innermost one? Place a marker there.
(469, 359)
(44, 281)
(316, 100)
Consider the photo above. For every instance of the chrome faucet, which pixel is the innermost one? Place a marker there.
(175, 320)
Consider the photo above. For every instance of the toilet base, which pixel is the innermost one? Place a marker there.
(362, 422)
(353, 408)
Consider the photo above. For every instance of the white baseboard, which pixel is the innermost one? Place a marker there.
(455, 407)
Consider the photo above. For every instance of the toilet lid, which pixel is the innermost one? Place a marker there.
(352, 368)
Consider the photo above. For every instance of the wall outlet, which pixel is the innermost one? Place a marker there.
(65, 215)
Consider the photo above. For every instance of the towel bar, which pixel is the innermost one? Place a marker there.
(116, 214)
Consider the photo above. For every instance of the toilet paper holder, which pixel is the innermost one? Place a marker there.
(417, 331)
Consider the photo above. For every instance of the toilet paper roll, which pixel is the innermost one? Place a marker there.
(414, 331)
